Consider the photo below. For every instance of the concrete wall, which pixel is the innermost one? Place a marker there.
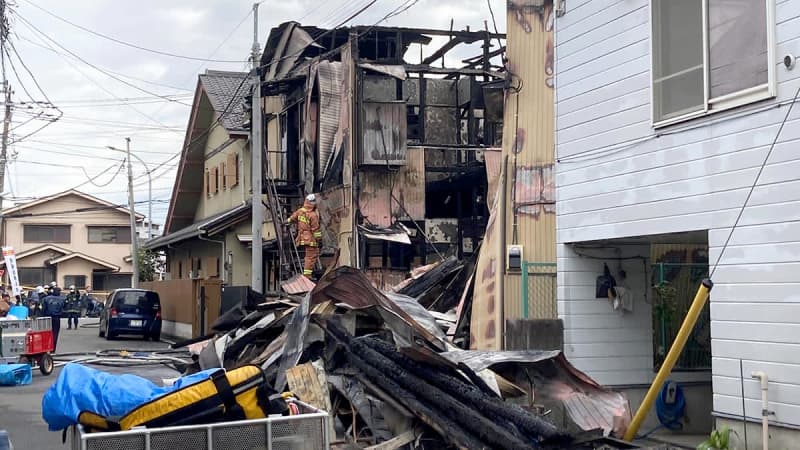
(619, 177)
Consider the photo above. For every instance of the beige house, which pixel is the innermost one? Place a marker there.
(71, 238)
(208, 222)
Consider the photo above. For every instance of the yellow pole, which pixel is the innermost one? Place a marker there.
(672, 357)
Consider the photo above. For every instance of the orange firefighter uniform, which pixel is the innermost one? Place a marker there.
(309, 235)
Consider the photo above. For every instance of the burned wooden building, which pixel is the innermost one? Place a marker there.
(394, 143)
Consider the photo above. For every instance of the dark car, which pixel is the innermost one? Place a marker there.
(131, 311)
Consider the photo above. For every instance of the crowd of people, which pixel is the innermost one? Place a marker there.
(51, 302)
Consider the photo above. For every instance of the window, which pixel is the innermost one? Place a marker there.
(57, 234)
(222, 174)
(215, 181)
(109, 235)
(79, 281)
(36, 276)
(233, 169)
(208, 184)
(698, 68)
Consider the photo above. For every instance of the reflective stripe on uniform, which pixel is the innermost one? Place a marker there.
(303, 219)
(318, 234)
(307, 271)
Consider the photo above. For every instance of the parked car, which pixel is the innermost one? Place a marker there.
(131, 312)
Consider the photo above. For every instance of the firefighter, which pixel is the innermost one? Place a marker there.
(309, 235)
(72, 307)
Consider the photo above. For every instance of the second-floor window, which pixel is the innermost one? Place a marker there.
(109, 235)
(46, 234)
(710, 55)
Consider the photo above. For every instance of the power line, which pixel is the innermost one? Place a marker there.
(79, 210)
(128, 44)
(131, 77)
(99, 147)
(95, 67)
(93, 81)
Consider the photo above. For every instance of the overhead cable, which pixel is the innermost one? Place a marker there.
(128, 44)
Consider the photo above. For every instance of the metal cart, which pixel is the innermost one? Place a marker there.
(28, 341)
(305, 431)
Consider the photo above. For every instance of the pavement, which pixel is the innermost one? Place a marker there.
(21, 406)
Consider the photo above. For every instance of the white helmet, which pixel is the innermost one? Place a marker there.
(39, 289)
(311, 198)
(53, 284)
(72, 287)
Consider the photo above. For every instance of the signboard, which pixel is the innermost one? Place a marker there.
(11, 265)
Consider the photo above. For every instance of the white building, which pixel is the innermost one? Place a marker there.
(662, 125)
(143, 229)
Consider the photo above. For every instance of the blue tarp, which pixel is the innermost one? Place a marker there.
(80, 388)
(20, 312)
(15, 374)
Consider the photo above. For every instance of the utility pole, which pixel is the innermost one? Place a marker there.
(256, 149)
(7, 116)
(134, 235)
(149, 188)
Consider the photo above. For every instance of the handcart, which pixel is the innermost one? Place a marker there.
(28, 341)
(306, 429)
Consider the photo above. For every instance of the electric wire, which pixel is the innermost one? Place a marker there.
(755, 182)
(128, 44)
(101, 87)
(111, 180)
(97, 68)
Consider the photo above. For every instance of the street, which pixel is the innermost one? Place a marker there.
(21, 406)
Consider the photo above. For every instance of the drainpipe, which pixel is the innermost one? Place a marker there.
(222, 243)
(501, 252)
(765, 412)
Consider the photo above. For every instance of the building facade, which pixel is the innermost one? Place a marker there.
(71, 238)
(665, 113)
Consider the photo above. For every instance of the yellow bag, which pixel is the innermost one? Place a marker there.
(236, 395)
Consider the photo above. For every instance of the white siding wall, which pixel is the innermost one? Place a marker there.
(614, 348)
(617, 178)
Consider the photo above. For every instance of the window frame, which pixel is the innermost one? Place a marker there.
(75, 282)
(27, 226)
(115, 227)
(729, 101)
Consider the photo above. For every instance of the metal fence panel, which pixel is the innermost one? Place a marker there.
(674, 288)
(539, 290)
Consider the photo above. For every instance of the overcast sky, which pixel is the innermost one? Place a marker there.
(99, 110)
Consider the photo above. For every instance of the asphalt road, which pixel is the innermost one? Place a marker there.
(21, 406)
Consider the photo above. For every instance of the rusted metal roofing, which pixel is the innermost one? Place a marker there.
(298, 284)
(588, 404)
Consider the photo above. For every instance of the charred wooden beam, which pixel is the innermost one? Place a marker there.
(422, 68)
(476, 35)
(452, 43)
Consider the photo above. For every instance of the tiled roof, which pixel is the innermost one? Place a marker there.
(221, 86)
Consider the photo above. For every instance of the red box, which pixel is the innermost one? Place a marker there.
(37, 342)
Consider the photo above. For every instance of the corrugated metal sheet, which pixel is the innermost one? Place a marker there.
(407, 185)
(529, 138)
(384, 133)
(385, 279)
(329, 81)
(493, 158)
(530, 52)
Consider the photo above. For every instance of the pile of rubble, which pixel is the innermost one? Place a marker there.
(385, 369)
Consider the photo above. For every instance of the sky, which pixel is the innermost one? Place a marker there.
(104, 91)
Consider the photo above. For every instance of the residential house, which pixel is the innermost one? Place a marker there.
(144, 230)
(391, 128)
(207, 231)
(71, 238)
(666, 112)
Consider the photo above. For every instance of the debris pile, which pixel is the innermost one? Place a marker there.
(383, 367)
